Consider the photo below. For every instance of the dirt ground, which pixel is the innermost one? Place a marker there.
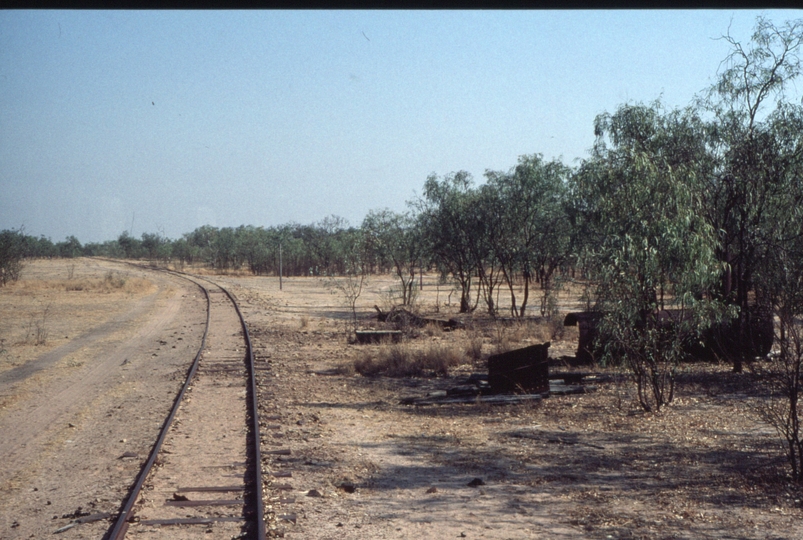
(362, 464)
(580, 466)
(81, 407)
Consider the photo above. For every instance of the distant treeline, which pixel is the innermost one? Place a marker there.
(512, 230)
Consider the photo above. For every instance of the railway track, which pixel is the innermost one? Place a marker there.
(204, 472)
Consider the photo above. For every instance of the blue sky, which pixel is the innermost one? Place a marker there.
(174, 120)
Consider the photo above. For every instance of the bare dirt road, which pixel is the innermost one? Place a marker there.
(81, 411)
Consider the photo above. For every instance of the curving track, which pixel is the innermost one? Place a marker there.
(203, 474)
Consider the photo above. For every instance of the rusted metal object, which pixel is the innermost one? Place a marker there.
(121, 525)
(725, 340)
(730, 340)
(191, 521)
(377, 336)
(282, 452)
(522, 370)
(587, 323)
(210, 489)
(253, 497)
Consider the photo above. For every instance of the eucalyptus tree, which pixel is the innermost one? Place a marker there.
(536, 235)
(322, 240)
(393, 238)
(761, 204)
(254, 248)
(649, 245)
(70, 248)
(223, 254)
(11, 255)
(288, 244)
(200, 242)
(157, 247)
(445, 209)
(131, 246)
(748, 166)
(781, 280)
(181, 251)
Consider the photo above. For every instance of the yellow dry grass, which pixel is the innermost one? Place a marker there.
(112, 281)
(58, 300)
(406, 360)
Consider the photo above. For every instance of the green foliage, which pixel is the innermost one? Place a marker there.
(651, 249)
(448, 220)
(392, 239)
(12, 250)
(752, 148)
(70, 248)
(132, 247)
(534, 235)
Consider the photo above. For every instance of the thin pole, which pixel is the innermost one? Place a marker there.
(421, 275)
(280, 266)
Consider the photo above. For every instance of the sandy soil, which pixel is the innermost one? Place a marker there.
(97, 389)
(361, 464)
(588, 466)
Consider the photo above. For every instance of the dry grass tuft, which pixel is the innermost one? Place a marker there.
(400, 360)
(509, 336)
(112, 281)
(433, 329)
(474, 346)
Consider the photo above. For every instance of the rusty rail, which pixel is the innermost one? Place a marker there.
(121, 524)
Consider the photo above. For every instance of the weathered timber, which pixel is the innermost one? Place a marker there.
(522, 370)
(560, 389)
(404, 318)
(508, 399)
(377, 336)
(587, 323)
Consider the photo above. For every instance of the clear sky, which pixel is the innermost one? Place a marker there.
(174, 120)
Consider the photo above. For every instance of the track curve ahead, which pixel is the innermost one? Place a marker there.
(210, 437)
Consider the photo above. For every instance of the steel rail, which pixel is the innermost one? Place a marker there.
(121, 525)
(254, 403)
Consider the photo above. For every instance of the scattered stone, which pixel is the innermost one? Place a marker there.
(128, 455)
(433, 489)
(79, 512)
(314, 493)
(179, 497)
(476, 483)
(348, 487)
